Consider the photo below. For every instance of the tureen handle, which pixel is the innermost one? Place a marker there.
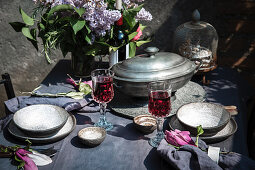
(151, 51)
(198, 63)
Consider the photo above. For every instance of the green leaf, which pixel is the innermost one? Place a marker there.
(137, 9)
(80, 11)
(200, 131)
(113, 48)
(139, 43)
(28, 144)
(21, 165)
(85, 88)
(17, 159)
(33, 41)
(142, 27)
(77, 25)
(132, 49)
(132, 35)
(129, 19)
(88, 29)
(75, 95)
(87, 39)
(103, 43)
(42, 26)
(59, 8)
(27, 19)
(17, 26)
(26, 32)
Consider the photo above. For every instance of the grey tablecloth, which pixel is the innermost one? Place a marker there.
(125, 147)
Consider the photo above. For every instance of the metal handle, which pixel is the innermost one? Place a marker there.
(198, 63)
(151, 51)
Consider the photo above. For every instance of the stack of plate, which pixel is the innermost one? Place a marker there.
(41, 123)
(215, 120)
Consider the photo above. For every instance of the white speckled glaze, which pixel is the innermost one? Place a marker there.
(40, 118)
(92, 136)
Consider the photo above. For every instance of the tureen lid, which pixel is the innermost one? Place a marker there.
(153, 66)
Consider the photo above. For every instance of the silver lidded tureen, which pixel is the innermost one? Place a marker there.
(133, 75)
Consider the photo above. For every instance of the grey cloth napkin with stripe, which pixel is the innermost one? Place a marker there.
(69, 104)
(190, 157)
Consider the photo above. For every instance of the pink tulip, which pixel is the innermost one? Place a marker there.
(179, 138)
(139, 34)
(29, 163)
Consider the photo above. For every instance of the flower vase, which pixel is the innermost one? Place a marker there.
(82, 65)
(119, 55)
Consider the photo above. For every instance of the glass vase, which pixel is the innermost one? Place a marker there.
(121, 54)
(82, 65)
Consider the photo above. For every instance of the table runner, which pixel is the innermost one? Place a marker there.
(127, 148)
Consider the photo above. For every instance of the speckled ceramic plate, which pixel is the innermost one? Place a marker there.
(63, 132)
(40, 119)
(226, 132)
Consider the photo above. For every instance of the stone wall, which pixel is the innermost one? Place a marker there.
(28, 67)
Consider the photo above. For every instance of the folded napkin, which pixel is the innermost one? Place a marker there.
(69, 104)
(190, 157)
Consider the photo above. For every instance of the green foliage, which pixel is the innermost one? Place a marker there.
(26, 32)
(132, 49)
(77, 25)
(85, 88)
(27, 19)
(200, 131)
(64, 27)
(80, 11)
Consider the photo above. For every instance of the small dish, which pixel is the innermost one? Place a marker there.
(92, 136)
(223, 134)
(145, 123)
(40, 120)
(211, 117)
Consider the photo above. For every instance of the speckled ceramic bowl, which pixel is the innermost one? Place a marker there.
(92, 136)
(145, 123)
(212, 117)
(40, 120)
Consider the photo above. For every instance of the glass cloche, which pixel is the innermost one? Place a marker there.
(197, 39)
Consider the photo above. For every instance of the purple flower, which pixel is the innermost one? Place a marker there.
(29, 163)
(127, 2)
(178, 138)
(143, 15)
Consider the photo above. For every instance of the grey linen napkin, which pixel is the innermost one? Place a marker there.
(69, 104)
(190, 157)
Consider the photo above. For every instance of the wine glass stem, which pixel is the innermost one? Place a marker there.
(102, 112)
(160, 127)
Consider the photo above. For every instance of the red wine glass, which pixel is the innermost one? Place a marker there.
(159, 106)
(102, 93)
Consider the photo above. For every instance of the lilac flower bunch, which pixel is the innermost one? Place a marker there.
(93, 27)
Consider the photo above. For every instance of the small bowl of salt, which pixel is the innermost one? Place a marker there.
(92, 136)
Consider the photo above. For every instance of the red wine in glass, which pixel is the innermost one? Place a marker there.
(159, 103)
(103, 89)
